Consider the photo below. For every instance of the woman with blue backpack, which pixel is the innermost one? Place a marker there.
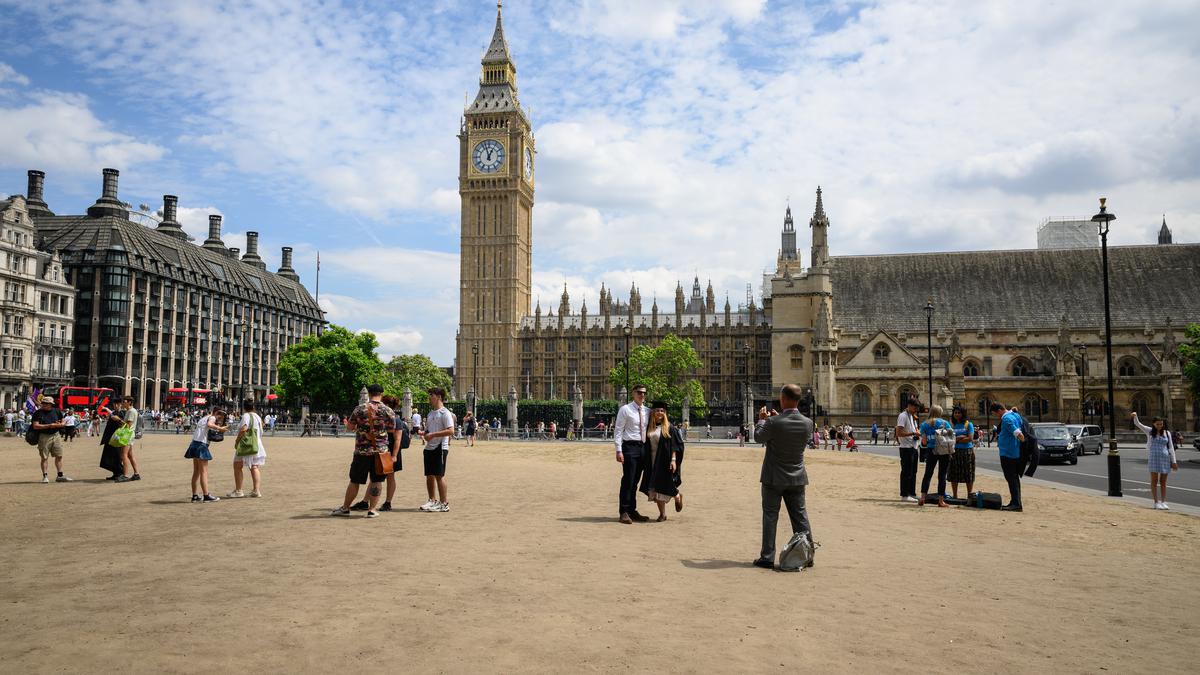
(938, 438)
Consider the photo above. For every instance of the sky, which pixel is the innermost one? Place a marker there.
(671, 134)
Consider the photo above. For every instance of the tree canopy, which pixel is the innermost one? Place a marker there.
(1190, 351)
(415, 372)
(669, 372)
(330, 369)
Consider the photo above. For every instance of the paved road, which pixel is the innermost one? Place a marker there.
(1091, 472)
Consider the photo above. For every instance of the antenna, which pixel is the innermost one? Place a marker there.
(749, 295)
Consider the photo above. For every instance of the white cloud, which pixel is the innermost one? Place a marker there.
(9, 74)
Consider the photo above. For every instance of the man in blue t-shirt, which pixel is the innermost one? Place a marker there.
(1009, 441)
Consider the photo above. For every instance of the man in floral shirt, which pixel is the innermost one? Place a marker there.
(370, 423)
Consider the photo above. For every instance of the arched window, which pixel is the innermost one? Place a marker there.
(1140, 404)
(905, 394)
(882, 352)
(1128, 368)
(971, 369)
(1021, 367)
(860, 400)
(1035, 406)
(796, 356)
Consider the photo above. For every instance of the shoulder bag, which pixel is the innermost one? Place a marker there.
(32, 435)
(247, 445)
(121, 437)
(383, 460)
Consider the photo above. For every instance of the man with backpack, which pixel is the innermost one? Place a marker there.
(1009, 439)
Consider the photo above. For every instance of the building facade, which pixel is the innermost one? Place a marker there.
(1024, 328)
(153, 311)
(37, 309)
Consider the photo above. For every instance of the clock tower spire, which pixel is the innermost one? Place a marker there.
(495, 186)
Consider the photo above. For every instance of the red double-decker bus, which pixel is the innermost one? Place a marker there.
(79, 397)
(178, 397)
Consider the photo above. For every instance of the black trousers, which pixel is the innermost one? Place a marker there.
(942, 463)
(908, 472)
(792, 497)
(1012, 473)
(631, 472)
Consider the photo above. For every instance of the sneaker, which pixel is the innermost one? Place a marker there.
(442, 507)
(121, 479)
(361, 506)
(429, 505)
(372, 514)
(195, 498)
(63, 479)
(911, 499)
(236, 494)
(1157, 506)
(386, 506)
(255, 493)
(136, 476)
(340, 511)
(210, 498)
(45, 478)
(1163, 506)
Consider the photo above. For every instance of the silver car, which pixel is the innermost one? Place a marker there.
(1087, 438)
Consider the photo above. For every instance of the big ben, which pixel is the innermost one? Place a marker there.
(495, 184)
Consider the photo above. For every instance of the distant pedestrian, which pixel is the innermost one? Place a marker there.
(962, 462)
(70, 424)
(198, 452)
(250, 426)
(931, 430)
(1161, 458)
(48, 422)
(469, 428)
(1009, 439)
(874, 433)
(908, 436)
(439, 426)
(129, 415)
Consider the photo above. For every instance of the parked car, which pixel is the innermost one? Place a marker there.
(1196, 443)
(1055, 442)
(1088, 438)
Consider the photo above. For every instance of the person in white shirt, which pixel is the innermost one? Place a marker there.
(416, 422)
(629, 435)
(908, 434)
(439, 427)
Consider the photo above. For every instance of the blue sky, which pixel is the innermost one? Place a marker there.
(682, 126)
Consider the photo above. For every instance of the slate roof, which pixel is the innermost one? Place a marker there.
(1016, 290)
(85, 239)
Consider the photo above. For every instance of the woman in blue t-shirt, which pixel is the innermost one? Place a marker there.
(962, 462)
(929, 429)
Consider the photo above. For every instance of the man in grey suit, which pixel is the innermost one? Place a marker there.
(786, 434)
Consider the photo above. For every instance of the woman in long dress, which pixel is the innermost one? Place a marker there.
(661, 480)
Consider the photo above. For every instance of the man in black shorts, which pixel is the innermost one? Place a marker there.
(439, 427)
(370, 423)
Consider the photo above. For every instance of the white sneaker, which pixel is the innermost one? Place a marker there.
(430, 505)
(1163, 506)
(45, 478)
(235, 494)
(442, 507)
(911, 499)
(63, 479)
(255, 493)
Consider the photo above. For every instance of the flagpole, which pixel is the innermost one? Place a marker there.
(320, 323)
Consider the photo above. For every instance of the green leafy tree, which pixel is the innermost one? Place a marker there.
(1190, 351)
(669, 372)
(416, 372)
(330, 369)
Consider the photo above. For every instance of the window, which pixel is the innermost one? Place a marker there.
(1127, 368)
(595, 345)
(739, 366)
(548, 368)
(1035, 406)
(549, 346)
(526, 346)
(573, 344)
(882, 353)
(860, 400)
(714, 366)
(716, 345)
(971, 369)
(1140, 404)
(763, 344)
(1021, 367)
(595, 366)
(796, 356)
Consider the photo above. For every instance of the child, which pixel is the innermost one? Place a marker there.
(198, 452)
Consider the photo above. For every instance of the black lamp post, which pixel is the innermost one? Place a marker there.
(628, 342)
(929, 344)
(1083, 350)
(188, 405)
(474, 378)
(244, 354)
(1102, 220)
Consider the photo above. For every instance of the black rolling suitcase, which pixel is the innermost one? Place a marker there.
(984, 500)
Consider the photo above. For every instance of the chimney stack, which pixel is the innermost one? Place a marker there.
(285, 270)
(214, 243)
(233, 252)
(34, 199)
(109, 204)
(252, 257)
(169, 224)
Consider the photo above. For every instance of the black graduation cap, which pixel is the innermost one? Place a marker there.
(658, 404)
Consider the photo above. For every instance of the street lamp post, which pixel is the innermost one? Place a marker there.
(929, 344)
(628, 342)
(1102, 220)
(748, 405)
(243, 353)
(1083, 364)
(474, 378)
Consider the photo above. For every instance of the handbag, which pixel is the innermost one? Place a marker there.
(216, 435)
(247, 445)
(32, 435)
(121, 437)
(383, 460)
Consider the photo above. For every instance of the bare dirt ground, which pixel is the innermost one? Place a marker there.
(531, 572)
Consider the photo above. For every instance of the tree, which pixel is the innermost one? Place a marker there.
(415, 372)
(330, 369)
(1190, 351)
(668, 371)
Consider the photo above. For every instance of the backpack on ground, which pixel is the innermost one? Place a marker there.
(985, 500)
(798, 553)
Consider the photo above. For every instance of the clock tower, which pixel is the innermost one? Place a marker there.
(495, 184)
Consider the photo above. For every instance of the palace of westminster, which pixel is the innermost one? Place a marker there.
(1024, 327)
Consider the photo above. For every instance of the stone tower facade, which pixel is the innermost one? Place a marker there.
(496, 180)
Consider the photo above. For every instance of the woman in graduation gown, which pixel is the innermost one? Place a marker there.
(664, 442)
(110, 457)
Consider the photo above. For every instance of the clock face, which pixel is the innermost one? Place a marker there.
(528, 164)
(488, 156)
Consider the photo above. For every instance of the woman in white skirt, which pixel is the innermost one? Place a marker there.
(250, 420)
(1162, 458)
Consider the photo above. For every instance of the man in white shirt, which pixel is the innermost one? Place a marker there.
(909, 436)
(439, 427)
(416, 422)
(629, 434)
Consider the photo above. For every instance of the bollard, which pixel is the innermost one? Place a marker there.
(1114, 469)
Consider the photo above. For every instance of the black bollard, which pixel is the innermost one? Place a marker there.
(1114, 469)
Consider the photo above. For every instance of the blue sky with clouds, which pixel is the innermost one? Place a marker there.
(681, 125)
